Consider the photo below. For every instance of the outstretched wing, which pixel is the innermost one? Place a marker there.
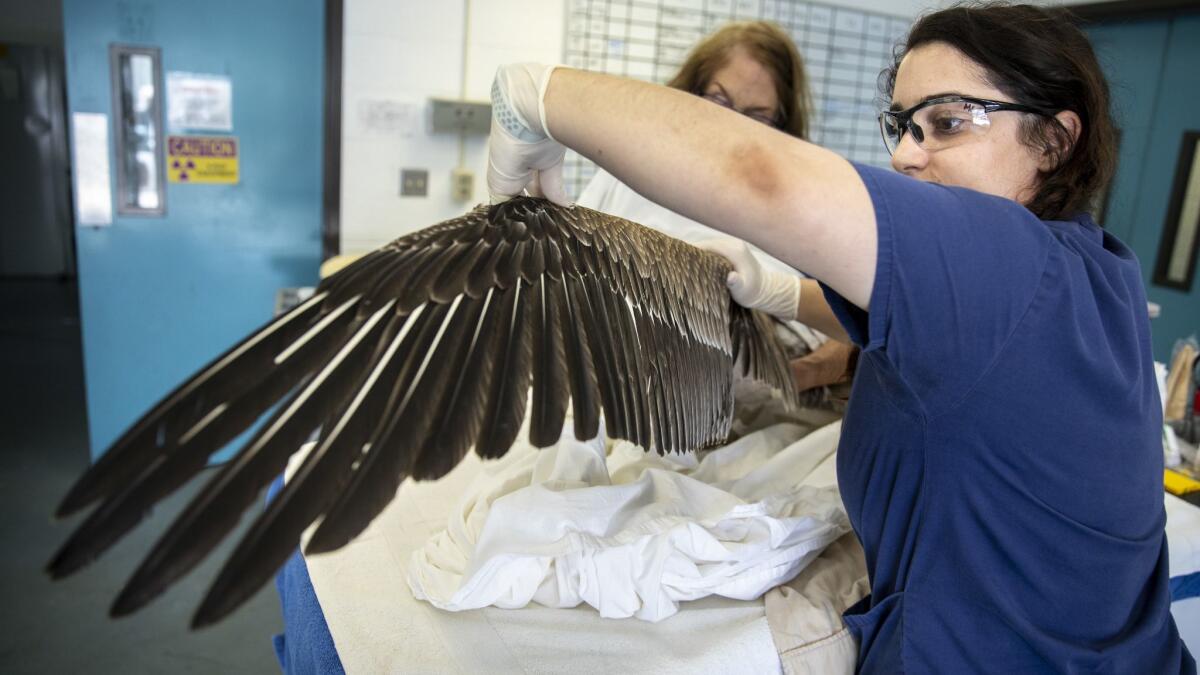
(409, 357)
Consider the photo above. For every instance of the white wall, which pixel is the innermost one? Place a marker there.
(397, 54)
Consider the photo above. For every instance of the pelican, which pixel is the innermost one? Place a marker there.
(440, 341)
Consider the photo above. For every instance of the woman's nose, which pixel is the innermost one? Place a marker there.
(909, 157)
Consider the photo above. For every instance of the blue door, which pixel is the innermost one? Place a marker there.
(162, 294)
(1151, 67)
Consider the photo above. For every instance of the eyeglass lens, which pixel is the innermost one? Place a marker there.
(937, 126)
(769, 120)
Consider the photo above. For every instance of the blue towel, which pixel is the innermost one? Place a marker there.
(305, 647)
(1186, 586)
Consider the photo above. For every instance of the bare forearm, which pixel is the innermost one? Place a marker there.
(828, 364)
(815, 311)
(644, 134)
(800, 202)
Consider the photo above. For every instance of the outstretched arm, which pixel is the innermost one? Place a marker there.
(802, 203)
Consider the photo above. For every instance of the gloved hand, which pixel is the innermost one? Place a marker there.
(753, 285)
(521, 153)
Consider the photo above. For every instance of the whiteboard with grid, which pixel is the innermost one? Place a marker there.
(843, 49)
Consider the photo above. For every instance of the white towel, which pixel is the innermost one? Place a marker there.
(379, 627)
(631, 533)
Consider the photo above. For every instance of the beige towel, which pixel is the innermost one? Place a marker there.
(805, 614)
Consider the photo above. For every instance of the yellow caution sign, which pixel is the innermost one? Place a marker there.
(202, 159)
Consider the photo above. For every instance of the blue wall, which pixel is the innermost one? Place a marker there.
(1151, 67)
(160, 296)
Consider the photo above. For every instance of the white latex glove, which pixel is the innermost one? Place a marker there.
(753, 285)
(521, 153)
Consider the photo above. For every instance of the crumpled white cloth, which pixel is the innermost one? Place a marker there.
(632, 533)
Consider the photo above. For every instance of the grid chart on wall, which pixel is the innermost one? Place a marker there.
(844, 51)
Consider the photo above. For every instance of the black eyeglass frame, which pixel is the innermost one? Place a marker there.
(904, 118)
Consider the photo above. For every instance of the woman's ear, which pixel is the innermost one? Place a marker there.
(1061, 146)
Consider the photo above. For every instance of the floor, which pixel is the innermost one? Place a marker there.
(64, 626)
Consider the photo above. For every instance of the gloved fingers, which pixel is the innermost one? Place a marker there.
(735, 282)
(534, 189)
(508, 169)
(550, 184)
(502, 186)
(750, 284)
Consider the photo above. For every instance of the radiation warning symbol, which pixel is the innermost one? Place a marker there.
(202, 159)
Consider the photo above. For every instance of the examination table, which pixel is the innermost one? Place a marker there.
(712, 634)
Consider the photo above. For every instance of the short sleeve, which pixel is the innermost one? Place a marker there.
(956, 271)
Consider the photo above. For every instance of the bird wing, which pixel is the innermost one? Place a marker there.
(438, 342)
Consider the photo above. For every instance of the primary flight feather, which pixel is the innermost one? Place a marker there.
(443, 340)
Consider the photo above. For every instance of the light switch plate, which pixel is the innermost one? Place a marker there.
(414, 182)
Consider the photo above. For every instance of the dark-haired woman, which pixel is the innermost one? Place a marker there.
(1001, 458)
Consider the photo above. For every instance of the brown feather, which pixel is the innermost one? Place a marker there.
(627, 322)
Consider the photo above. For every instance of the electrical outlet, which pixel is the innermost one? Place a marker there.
(414, 182)
(462, 184)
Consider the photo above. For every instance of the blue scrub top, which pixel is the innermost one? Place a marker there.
(1001, 455)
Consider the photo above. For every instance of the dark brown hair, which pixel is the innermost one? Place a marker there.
(768, 45)
(1038, 57)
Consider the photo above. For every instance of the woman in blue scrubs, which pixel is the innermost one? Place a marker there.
(1001, 457)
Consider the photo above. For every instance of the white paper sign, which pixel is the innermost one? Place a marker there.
(197, 101)
(93, 189)
(388, 117)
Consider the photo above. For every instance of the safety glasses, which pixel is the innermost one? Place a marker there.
(945, 121)
(721, 100)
